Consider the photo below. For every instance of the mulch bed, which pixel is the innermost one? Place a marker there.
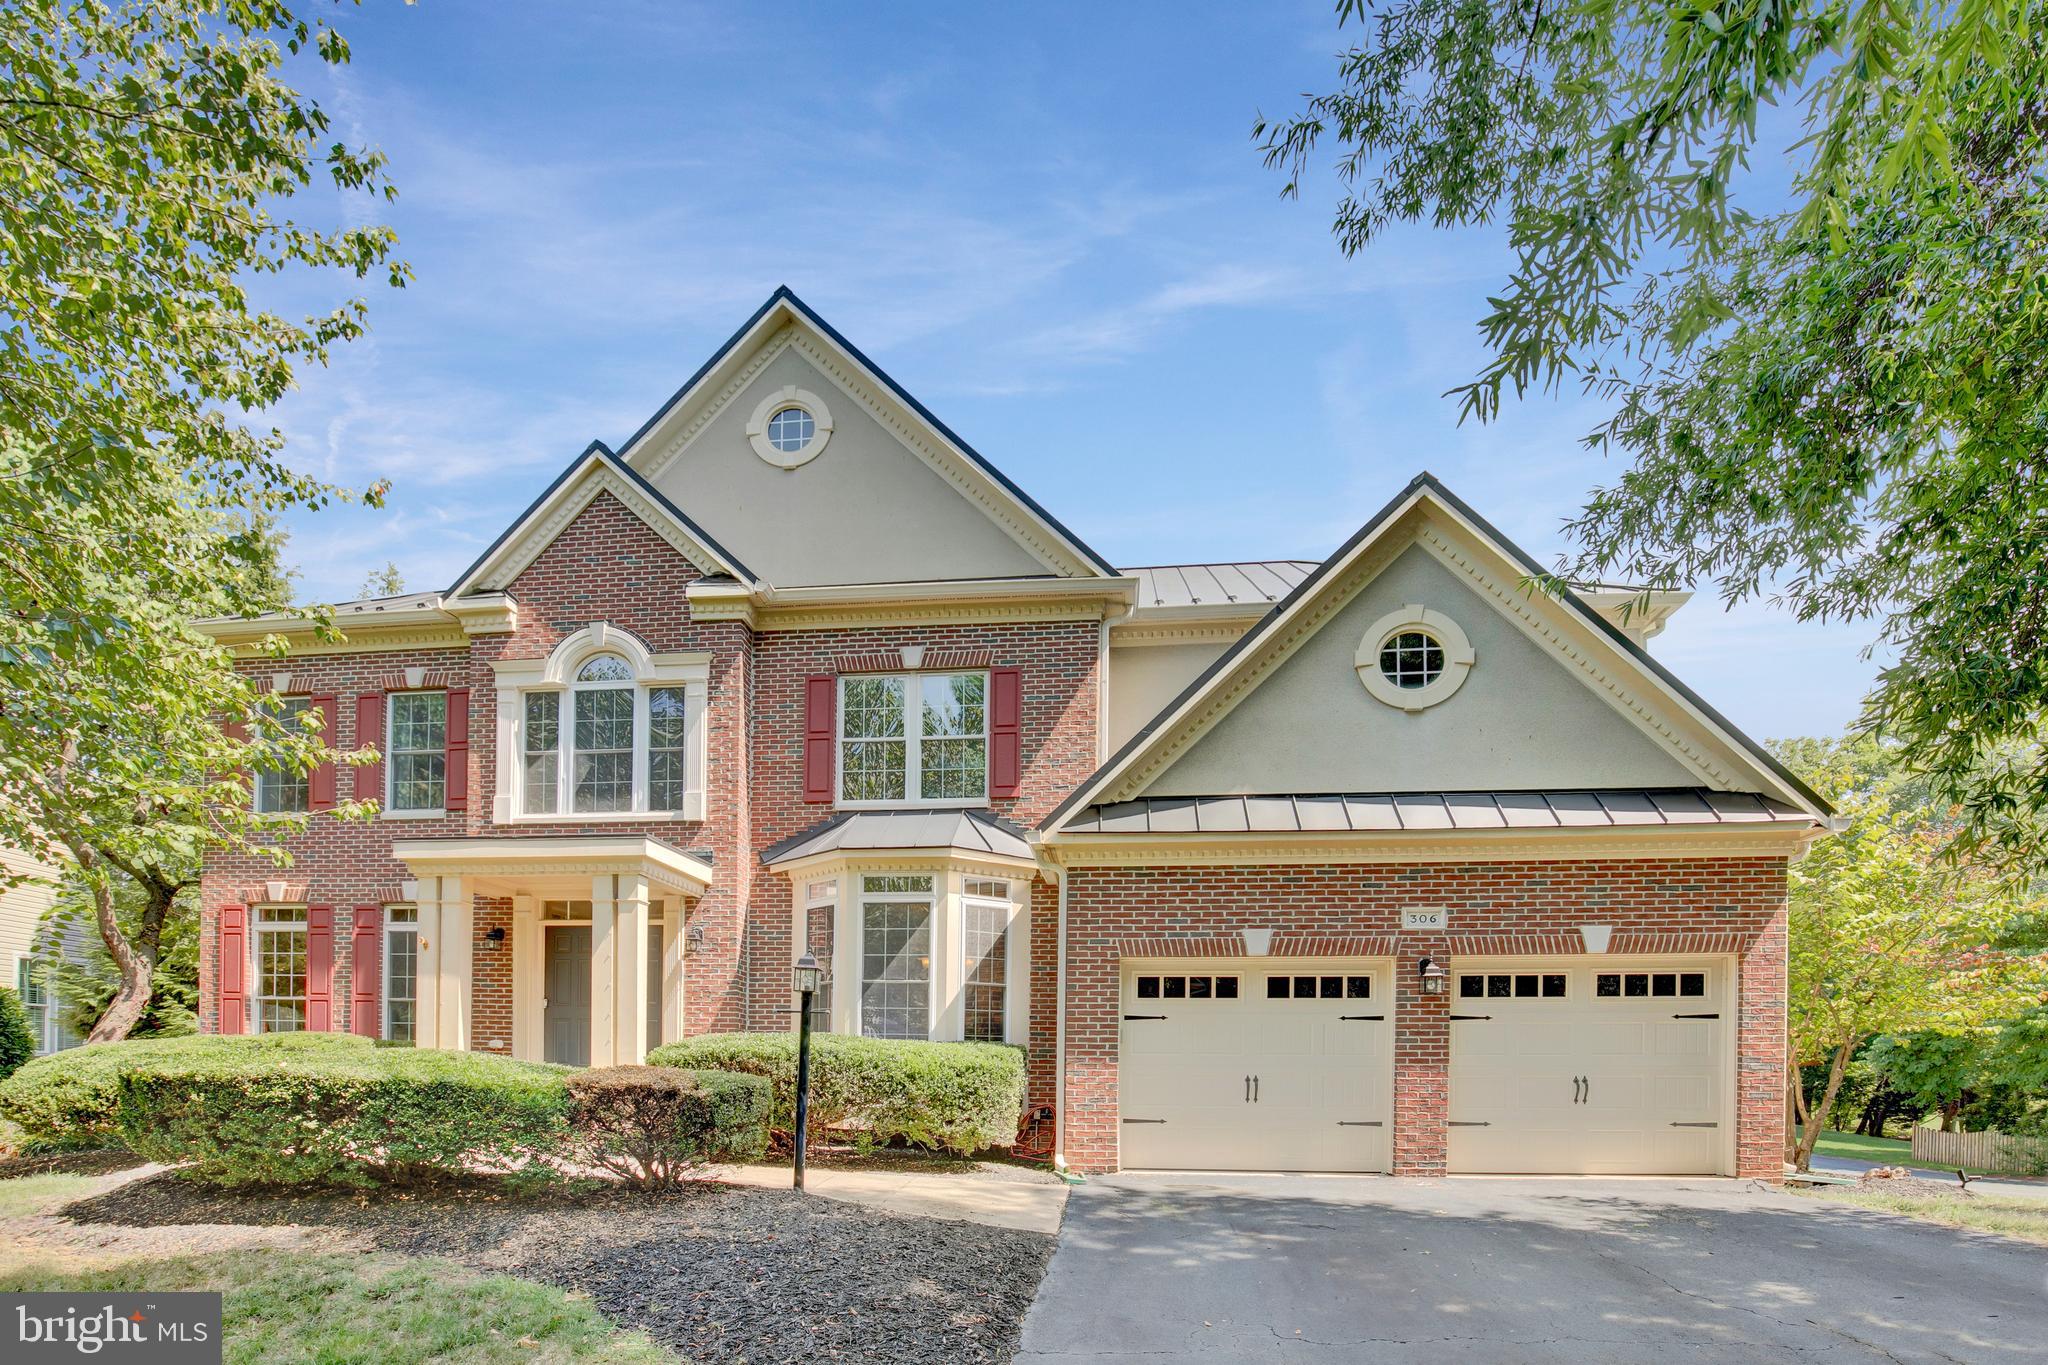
(715, 1272)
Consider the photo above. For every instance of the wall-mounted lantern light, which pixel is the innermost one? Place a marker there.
(1432, 975)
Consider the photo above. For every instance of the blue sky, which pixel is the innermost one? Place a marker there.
(1049, 222)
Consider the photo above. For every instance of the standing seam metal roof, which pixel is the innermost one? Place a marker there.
(1416, 811)
(1253, 582)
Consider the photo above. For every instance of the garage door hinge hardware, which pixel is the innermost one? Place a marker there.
(1469, 1123)
(1695, 1016)
(1456, 1017)
(1144, 1120)
(1695, 1125)
(1342, 1018)
(1358, 1123)
(1144, 1016)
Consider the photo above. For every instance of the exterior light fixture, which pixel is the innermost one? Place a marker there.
(496, 933)
(808, 977)
(1432, 975)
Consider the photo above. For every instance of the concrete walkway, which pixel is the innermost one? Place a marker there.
(999, 1201)
(1574, 1272)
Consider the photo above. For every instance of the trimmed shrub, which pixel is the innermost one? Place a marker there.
(964, 1097)
(69, 1099)
(653, 1125)
(17, 1044)
(241, 1115)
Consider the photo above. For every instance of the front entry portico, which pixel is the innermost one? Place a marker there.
(629, 897)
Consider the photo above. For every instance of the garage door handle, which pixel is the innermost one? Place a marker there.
(1695, 1016)
(1346, 1018)
(1247, 1089)
(1144, 1016)
(1577, 1092)
(1695, 1125)
(1255, 1090)
(1358, 1123)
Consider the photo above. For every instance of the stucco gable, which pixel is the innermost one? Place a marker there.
(1554, 697)
(892, 494)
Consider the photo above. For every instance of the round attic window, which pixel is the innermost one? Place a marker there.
(790, 427)
(1414, 658)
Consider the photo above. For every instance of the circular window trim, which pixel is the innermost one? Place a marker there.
(790, 396)
(1457, 658)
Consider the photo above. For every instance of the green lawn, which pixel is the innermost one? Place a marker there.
(294, 1308)
(2026, 1219)
(1884, 1151)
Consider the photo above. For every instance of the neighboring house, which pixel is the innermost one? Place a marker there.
(796, 669)
(28, 888)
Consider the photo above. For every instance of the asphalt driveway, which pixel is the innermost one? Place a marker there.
(1305, 1268)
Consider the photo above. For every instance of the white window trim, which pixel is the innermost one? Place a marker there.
(1458, 658)
(391, 930)
(47, 1030)
(257, 775)
(789, 396)
(1013, 914)
(913, 743)
(390, 808)
(518, 678)
(261, 923)
(935, 901)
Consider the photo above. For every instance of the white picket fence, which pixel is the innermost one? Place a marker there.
(1995, 1152)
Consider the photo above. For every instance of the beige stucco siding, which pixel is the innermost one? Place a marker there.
(1144, 678)
(21, 909)
(1523, 719)
(868, 509)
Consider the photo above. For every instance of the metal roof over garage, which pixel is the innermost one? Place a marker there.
(1420, 811)
(1254, 582)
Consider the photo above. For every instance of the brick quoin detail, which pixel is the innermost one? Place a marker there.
(1709, 905)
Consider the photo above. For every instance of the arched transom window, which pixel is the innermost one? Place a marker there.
(608, 734)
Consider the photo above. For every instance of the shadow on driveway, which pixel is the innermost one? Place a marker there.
(1258, 1268)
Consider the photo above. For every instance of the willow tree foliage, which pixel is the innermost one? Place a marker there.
(1836, 394)
(149, 153)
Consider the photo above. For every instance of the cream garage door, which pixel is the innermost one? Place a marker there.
(1250, 1065)
(1617, 1067)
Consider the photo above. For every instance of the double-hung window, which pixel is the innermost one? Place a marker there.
(283, 790)
(280, 946)
(418, 758)
(401, 972)
(622, 749)
(820, 907)
(896, 957)
(34, 994)
(913, 738)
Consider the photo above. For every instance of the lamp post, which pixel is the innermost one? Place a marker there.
(808, 977)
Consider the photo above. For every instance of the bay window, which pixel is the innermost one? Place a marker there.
(985, 939)
(280, 948)
(913, 738)
(418, 751)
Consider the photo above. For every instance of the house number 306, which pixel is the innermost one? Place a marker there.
(1435, 917)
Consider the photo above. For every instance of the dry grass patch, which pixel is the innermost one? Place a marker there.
(2026, 1219)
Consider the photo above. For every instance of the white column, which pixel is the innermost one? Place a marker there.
(453, 1005)
(529, 1008)
(948, 976)
(604, 971)
(629, 1047)
(427, 968)
(846, 936)
(670, 970)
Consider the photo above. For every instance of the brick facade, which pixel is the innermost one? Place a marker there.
(1727, 905)
(608, 566)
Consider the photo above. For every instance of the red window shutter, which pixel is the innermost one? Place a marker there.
(370, 734)
(238, 734)
(232, 968)
(366, 963)
(320, 968)
(1005, 731)
(320, 784)
(821, 701)
(455, 795)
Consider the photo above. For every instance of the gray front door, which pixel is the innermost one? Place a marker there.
(568, 994)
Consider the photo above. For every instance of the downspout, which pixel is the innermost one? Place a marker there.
(1051, 868)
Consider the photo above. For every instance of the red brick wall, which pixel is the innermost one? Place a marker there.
(1721, 905)
(608, 566)
(1058, 734)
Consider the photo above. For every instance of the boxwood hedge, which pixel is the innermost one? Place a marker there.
(964, 1097)
(656, 1125)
